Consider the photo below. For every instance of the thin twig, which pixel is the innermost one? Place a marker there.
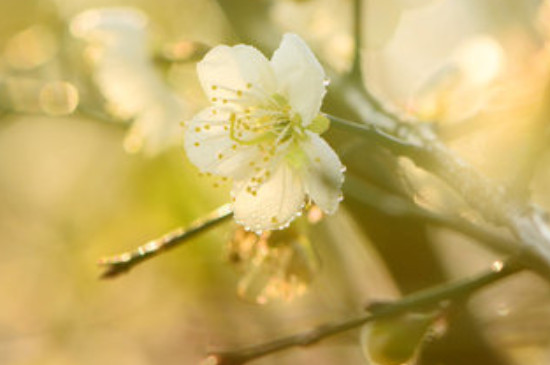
(358, 39)
(118, 264)
(394, 205)
(378, 135)
(416, 301)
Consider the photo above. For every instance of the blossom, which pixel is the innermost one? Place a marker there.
(275, 265)
(262, 130)
(116, 40)
(464, 85)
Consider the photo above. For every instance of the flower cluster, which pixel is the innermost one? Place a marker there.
(262, 130)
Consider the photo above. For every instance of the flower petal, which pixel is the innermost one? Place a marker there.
(209, 146)
(300, 76)
(274, 205)
(233, 73)
(323, 177)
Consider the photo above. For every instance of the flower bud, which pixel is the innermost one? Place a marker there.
(396, 340)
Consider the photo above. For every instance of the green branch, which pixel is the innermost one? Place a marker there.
(121, 263)
(377, 135)
(394, 205)
(417, 301)
(358, 39)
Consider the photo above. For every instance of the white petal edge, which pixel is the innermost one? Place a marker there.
(208, 145)
(225, 70)
(300, 76)
(323, 176)
(278, 201)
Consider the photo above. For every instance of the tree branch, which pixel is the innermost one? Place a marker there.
(416, 140)
(121, 263)
(358, 39)
(417, 301)
(394, 205)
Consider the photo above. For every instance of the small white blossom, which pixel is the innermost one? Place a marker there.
(464, 85)
(116, 41)
(262, 130)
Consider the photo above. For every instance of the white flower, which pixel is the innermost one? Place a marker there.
(124, 72)
(463, 85)
(263, 130)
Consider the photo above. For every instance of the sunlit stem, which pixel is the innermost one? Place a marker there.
(377, 135)
(121, 263)
(358, 38)
(393, 205)
(420, 300)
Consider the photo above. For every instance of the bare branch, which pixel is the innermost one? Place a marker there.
(358, 38)
(121, 263)
(394, 205)
(417, 301)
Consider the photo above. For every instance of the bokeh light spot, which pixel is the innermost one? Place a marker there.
(58, 98)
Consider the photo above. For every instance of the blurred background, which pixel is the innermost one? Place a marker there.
(92, 94)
